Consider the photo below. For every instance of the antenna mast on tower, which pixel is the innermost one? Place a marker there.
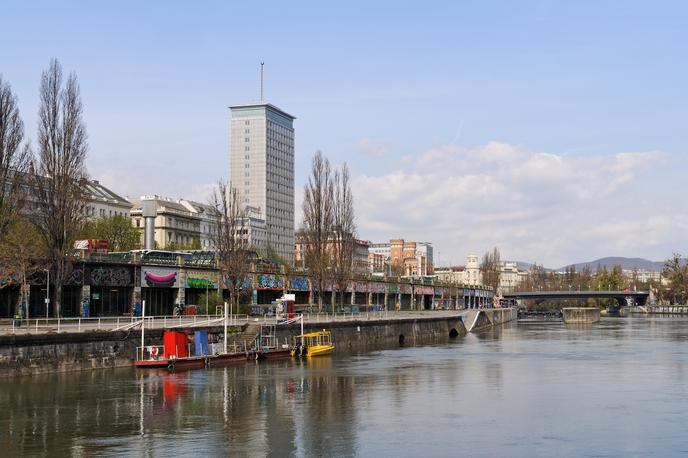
(261, 80)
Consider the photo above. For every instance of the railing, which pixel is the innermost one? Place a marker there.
(117, 323)
(153, 351)
(59, 325)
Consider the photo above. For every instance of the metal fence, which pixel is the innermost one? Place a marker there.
(60, 325)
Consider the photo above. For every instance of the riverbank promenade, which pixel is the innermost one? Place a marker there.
(107, 324)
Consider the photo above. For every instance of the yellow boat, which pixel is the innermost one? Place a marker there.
(313, 344)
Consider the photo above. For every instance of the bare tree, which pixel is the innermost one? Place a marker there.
(676, 272)
(14, 159)
(60, 174)
(491, 269)
(230, 237)
(343, 231)
(318, 219)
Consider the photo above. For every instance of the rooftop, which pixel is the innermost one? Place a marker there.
(262, 104)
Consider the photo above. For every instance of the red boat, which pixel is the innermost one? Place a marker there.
(174, 354)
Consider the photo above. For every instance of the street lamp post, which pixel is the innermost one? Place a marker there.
(47, 294)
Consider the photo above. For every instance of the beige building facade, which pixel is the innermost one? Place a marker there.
(261, 169)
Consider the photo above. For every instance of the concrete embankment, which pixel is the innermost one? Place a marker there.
(573, 315)
(28, 354)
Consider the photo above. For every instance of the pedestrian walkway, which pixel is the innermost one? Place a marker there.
(106, 324)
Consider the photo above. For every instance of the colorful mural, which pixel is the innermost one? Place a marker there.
(298, 283)
(270, 281)
(160, 277)
(378, 288)
(423, 289)
(361, 287)
(203, 279)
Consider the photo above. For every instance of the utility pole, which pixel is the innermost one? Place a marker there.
(262, 64)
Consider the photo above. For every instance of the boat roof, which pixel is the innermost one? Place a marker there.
(317, 333)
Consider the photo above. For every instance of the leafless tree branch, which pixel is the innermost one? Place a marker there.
(318, 220)
(14, 158)
(231, 239)
(60, 175)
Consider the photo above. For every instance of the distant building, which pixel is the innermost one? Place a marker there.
(104, 203)
(404, 257)
(359, 261)
(101, 202)
(376, 263)
(175, 223)
(470, 274)
(644, 275)
(453, 274)
(510, 277)
(181, 221)
(207, 221)
(261, 164)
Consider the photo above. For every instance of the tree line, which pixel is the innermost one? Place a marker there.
(328, 230)
(42, 200)
(42, 187)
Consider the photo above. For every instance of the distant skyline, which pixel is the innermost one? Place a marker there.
(554, 131)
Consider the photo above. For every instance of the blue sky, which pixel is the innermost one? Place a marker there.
(384, 87)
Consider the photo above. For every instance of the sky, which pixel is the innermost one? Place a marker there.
(555, 131)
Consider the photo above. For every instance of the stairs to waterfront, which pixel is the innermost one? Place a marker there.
(245, 337)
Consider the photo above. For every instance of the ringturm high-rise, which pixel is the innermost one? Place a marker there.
(261, 169)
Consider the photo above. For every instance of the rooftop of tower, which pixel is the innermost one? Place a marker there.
(260, 105)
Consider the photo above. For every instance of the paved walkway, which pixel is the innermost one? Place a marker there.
(52, 325)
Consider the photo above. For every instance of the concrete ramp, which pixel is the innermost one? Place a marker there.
(476, 319)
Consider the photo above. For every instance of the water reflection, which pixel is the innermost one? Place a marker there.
(616, 388)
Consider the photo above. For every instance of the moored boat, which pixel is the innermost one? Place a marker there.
(317, 343)
(173, 354)
(267, 345)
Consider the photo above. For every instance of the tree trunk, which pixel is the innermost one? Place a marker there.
(59, 278)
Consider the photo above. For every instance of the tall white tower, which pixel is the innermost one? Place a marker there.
(261, 169)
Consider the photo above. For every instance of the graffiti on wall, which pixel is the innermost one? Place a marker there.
(74, 275)
(299, 283)
(270, 281)
(111, 276)
(159, 277)
(200, 279)
(377, 288)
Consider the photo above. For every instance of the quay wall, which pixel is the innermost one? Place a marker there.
(668, 309)
(359, 335)
(28, 354)
(580, 315)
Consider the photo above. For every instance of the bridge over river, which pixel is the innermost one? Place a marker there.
(625, 298)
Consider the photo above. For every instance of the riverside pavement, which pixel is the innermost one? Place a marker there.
(108, 324)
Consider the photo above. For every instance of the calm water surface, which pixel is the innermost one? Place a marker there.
(618, 388)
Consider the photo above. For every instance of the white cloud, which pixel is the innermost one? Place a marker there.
(372, 147)
(535, 206)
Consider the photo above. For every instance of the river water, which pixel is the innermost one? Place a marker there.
(617, 388)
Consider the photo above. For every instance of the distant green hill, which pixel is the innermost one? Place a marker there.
(625, 263)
